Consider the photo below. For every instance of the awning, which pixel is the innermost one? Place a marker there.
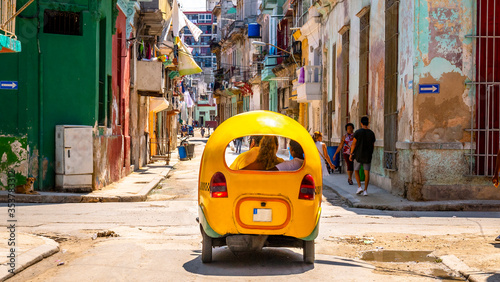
(157, 104)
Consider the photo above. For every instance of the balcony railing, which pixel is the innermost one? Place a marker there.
(7, 11)
(308, 84)
(269, 64)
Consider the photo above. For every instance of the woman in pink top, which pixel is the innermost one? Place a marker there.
(345, 146)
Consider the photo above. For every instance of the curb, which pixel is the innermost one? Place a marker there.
(471, 274)
(30, 257)
(464, 205)
(51, 197)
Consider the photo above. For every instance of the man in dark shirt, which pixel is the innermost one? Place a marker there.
(361, 153)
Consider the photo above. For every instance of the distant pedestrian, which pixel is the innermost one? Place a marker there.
(184, 131)
(361, 152)
(239, 141)
(345, 146)
(323, 152)
(495, 179)
(202, 132)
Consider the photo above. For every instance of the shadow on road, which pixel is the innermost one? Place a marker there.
(493, 278)
(268, 262)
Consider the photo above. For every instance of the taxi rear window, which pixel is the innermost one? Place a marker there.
(264, 153)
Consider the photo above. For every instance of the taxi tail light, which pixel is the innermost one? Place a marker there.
(218, 187)
(307, 188)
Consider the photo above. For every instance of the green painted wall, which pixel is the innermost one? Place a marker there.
(58, 76)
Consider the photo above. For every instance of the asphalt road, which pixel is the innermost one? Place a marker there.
(159, 240)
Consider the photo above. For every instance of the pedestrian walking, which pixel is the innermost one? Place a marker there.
(323, 152)
(361, 152)
(202, 132)
(238, 145)
(495, 179)
(345, 146)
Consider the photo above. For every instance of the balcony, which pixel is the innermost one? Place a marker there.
(309, 84)
(149, 78)
(267, 72)
(269, 5)
(235, 28)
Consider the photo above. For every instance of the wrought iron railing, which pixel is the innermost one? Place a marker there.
(7, 18)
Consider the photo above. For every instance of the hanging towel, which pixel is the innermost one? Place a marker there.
(302, 75)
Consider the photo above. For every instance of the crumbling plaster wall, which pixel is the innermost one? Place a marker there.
(443, 55)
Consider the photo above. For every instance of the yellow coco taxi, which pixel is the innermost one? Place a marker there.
(249, 209)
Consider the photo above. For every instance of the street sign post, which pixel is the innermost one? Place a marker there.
(8, 85)
(428, 88)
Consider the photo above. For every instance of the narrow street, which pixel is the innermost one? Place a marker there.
(159, 240)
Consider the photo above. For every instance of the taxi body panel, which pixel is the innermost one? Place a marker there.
(259, 202)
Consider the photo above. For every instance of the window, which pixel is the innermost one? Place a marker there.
(206, 29)
(193, 17)
(58, 22)
(293, 158)
(204, 18)
(344, 84)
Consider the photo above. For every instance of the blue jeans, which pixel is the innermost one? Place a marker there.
(238, 146)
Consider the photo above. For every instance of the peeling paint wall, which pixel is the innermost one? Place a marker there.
(432, 136)
(14, 155)
(444, 56)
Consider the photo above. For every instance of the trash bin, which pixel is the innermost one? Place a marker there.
(182, 152)
(336, 162)
(190, 151)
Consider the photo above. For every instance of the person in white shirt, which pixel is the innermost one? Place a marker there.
(298, 158)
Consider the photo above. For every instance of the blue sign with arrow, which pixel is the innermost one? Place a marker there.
(428, 88)
(8, 85)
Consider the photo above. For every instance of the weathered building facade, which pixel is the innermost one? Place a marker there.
(78, 66)
(413, 68)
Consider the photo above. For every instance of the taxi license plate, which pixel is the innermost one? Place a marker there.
(262, 215)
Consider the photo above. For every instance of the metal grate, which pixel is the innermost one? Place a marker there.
(391, 84)
(59, 22)
(485, 118)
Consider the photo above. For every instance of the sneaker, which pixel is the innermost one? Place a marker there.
(360, 190)
(365, 194)
(497, 238)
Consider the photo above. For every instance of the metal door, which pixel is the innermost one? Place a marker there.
(485, 119)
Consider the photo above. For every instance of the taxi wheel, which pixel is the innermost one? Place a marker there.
(206, 249)
(309, 252)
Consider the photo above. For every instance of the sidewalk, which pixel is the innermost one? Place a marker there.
(381, 199)
(30, 249)
(133, 188)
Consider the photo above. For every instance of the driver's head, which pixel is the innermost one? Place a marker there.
(255, 141)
